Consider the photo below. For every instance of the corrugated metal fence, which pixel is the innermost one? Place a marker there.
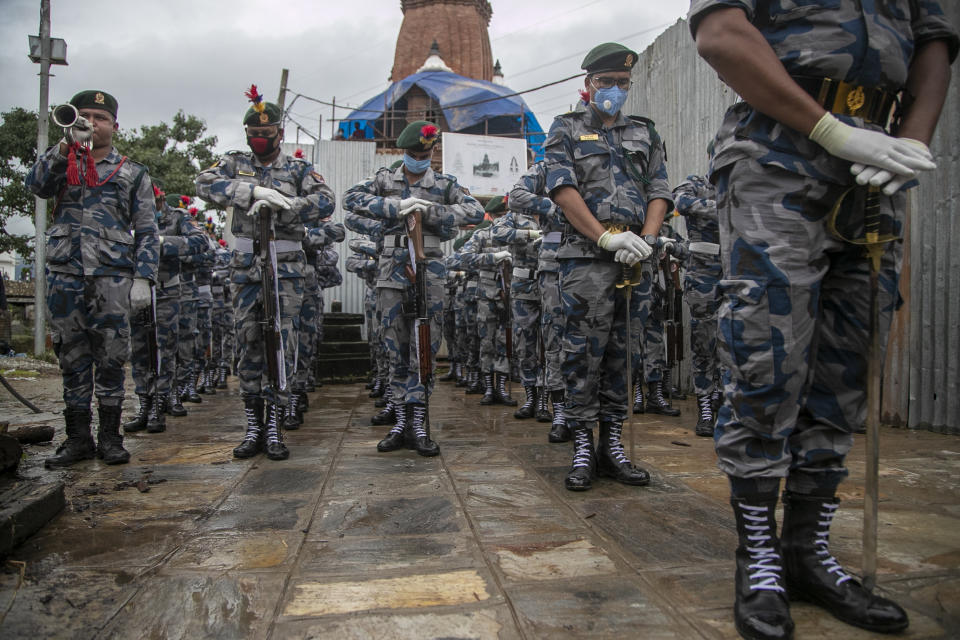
(683, 95)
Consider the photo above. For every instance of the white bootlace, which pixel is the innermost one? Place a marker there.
(401, 424)
(581, 455)
(253, 425)
(706, 408)
(558, 417)
(823, 544)
(419, 413)
(765, 557)
(273, 432)
(637, 393)
(615, 443)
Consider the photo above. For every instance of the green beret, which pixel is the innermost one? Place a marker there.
(497, 204)
(418, 136)
(272, 114)
(176, 200)
(397, 164)
(609, 56)
(95, 100)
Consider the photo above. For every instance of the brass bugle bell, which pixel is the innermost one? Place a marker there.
(65, 115)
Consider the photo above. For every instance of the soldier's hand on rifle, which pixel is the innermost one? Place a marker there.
(411, 204)
(532, 234)
(500, 256)
(626, 240)
(81, 131)
(139, 294)
(626, 256)
(871, 148)
(673, 248)
(272, 197)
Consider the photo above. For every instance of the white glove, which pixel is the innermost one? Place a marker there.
(500, 256)
(872, 148)
(626, 240)
(626, 256)
(81, 131)
(533, 234)
(273, 197)
(139, 294)
(409, 204)
(160, 239)
(877, 177)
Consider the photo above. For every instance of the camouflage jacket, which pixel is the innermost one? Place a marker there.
(529, 196)
(181, 238)
(864, 43)
(617, 170)
(509, 231)
(696, 200)
(328, 274)
(379, 197)
(477, 252)
(91, 230)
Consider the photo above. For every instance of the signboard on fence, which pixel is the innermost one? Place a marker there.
(486, 165)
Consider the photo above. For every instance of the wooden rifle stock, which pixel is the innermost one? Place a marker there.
(418, 258)
(271, 326)
(505, 273)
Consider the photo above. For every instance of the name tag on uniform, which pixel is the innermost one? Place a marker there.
(246, 173)
(589, 136)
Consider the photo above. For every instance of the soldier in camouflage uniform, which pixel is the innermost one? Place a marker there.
(188, 332)
(101, 261)
(203, 356)
(695, 199)
(480, 253)
(818, 87)
(299, 197)
(529, 196)
(389, 196)
(179, 237)
(223, 338)
(520, 234)
(607, 172)
(363, 262)
(470, 329)
(450, 292)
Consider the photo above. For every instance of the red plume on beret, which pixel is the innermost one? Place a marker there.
(298, 153)
(222, 242)
(210, 219)
(157, 192)
(585, 96)
(428, 131)
(194, 211)
(185, 199)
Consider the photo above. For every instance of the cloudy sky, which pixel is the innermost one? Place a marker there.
(200, 55)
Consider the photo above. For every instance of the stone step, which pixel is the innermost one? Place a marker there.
(25, 506)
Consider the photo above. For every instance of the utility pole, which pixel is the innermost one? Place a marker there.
(283, 88)
(46, 51)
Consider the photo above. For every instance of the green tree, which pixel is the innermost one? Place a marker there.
(18, 151)
(174, 154)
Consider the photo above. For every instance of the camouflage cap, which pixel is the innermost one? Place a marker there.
(496, 205)
(609, 56)
(271, 114)
(94, 99)
(418, 136)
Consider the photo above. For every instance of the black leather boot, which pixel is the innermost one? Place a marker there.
(396, 437)
(488, 393)
(109, 441)
(420, 430)
(377, 389)
(559, 431)
(388, 415)
(190, 392)
(461, 378)
(291, 419)
(209, 382)
(385, 397)
(656, 403)
(543, 406)
(529, 407)
(221, 377)
(79, 443)
(476, 384)
(761, 610)
(253, 440)
(275, 449)
(175, 405)
(580, 476)
(303, 404)
(705, 423)
(812, 574)
(157, 420)
(717, 401)
(612, 461)
(500, 393)
(139, 421)
(637, 397)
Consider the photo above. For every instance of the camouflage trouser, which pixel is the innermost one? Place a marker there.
(450, 326)
(551, 328)
(491, 330)
(90, 332)
(526, 339)
(187, 334)
(248, 314)
(168, 311)
(471, 332)
(701, 291)
(204, 332)
(307, 340)
(378, 355)
(223, 338)
(648, 361)
(793, 326)
(400, 338)
(594, 340)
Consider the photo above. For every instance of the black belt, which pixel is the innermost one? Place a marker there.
(875, 106)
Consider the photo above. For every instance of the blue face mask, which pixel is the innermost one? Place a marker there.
(610, 100)
(416, 166)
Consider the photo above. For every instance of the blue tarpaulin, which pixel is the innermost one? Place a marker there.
(469, 106)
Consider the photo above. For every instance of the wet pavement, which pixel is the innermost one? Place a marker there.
(341, 541)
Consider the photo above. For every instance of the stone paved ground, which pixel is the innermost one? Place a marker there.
(481, 542)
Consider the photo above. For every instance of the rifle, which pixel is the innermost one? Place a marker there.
(148, 320)
(418, 270)
(673, 321)
(265, 247)
(505, 273)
